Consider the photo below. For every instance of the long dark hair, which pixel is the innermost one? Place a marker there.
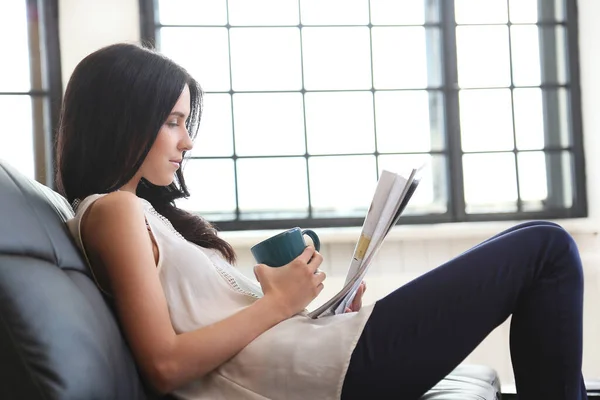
(115, 103)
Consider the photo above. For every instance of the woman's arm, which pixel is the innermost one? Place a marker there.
(114, 233)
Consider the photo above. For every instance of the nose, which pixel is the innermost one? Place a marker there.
(186, 143)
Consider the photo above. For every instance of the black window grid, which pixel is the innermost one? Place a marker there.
(46, 83)
(453, 152)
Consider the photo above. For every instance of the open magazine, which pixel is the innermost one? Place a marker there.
(392, 194)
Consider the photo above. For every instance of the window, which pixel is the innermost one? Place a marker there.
(308, 100)
(30, 85)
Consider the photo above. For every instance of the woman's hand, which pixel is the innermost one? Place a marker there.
(292, 287)
(357, 301)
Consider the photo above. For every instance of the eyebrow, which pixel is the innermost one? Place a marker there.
(177, 113)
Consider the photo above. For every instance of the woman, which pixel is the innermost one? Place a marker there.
(201, 330)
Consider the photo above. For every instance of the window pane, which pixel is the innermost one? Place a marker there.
(341, 186)
(490, 182)
(269, 124)
(527, 11)
(523, 11)
(212, 188)
(266, 59)
(409, 121)
(411, 12)
(486, 120)
(336, 58)
(16, 143)
(532, 176)
(192, 12)
(272, 187)
(263, 12)
(431, 197)
(481, 12)
(14, 44)
(335, 12)
(541, 118)
(406, 57)
(339, 123)
(529, 119)
(525, 48)
(207, 61)
(545, 180)
(215, 137)
(483, 58)
(531, 68)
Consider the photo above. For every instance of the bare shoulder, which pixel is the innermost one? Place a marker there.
(115, 205)
(113, 222)
(120, 209)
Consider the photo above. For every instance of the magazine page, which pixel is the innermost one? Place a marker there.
(370, 255)
(389, 215)
(382, 192)
(364, 251)
(385, 184)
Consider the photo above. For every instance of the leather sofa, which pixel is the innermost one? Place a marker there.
(59, 339)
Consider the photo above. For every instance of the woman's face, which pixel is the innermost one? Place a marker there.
(164, 158)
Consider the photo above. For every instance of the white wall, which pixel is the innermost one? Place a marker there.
(589, 32)
(87, 25)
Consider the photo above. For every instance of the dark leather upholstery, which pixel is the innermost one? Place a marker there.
(58, 337)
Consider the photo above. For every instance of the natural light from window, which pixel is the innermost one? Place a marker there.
(16, 140)
(304, 104)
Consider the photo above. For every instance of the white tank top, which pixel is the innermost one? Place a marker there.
(299, 358)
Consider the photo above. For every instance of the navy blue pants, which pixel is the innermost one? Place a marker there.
(417, 334)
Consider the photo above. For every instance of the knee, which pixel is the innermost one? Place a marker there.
(559, 236)
(549, 238)
(563, 245)
(536, 223)
(554, 236)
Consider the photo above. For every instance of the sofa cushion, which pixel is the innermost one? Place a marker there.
(467, 382)
(58, 337)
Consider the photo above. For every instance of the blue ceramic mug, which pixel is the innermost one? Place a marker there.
(284, 247)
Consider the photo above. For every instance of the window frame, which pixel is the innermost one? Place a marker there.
(456, 212)
(44, 56)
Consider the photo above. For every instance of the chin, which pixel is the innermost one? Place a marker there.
(162, 181)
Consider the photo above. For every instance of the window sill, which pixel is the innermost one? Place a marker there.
(463, 230)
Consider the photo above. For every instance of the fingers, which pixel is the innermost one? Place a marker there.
(310, 257)
(357, 301)
(258, 271)
(319, 277)
(315, 262)
(361, 289)
(319, 288)
(307, 254)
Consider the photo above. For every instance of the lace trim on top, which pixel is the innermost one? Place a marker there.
(233, 283)
(165, 221)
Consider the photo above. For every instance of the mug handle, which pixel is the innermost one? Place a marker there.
(314, 237)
